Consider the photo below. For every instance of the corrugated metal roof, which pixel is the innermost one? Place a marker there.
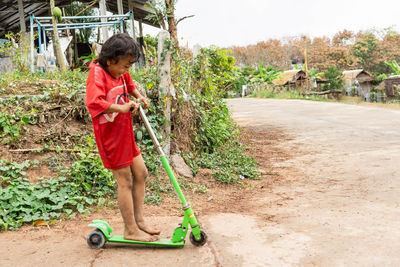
(9, 17)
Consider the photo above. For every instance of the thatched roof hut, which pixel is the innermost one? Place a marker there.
(360, 75)
(291, 78)
(391, 86)
(358, 82)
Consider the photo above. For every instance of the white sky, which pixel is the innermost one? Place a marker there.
(241, 22)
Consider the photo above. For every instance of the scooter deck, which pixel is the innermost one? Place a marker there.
(165, 242)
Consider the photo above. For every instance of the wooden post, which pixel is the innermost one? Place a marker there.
(140, 28)
(103, 12)
(21, 15)
(32, 44)
(120, 7)
(164, 72)
(75, 42)
(130, 5)
(142, 60)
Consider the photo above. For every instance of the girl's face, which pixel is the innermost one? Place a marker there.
(121, 67)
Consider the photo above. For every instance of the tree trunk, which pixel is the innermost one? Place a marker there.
(172, 28)
(56, 41)
(164, 72)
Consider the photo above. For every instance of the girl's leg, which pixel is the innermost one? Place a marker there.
(124, 181)
(139, 172)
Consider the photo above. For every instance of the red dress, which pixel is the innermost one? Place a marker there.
(113, 131)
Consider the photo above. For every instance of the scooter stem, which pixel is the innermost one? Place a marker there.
(150, 131)
(163, 158)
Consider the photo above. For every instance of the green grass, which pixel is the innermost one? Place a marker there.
(268, 93)
(287, 95)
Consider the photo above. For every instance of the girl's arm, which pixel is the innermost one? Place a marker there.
(125, 108)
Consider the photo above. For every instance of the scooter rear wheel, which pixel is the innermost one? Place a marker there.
(198, 243)
(96, 239)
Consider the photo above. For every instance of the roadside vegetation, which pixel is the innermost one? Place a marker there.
(44, 125)
(45, 128)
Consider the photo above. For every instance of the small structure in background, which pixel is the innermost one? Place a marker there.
(358, 82)
(18, 16)
(391, 86)
(318, 83)
(292, 79)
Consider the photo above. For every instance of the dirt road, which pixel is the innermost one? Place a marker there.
(329, 196)
(344, 209)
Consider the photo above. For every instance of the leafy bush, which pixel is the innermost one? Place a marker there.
(334, 79)
(228, 164)
(202, 83)
(86, 183)
(11, 124)
(215, 128)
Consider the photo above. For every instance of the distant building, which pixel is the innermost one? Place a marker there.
(391, 86)
(292, 79)
(15, 15)
(358, 82)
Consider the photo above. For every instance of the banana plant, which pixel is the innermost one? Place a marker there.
(395, 67)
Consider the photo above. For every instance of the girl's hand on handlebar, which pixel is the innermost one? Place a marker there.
(145, 101)
(129, 107)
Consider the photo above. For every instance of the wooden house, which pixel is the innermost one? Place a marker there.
(358, 82)
(292, 79)
(15, 17)
(391, 86)
(14, 14)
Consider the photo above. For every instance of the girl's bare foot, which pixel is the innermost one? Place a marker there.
(140, 236)
(142, 226)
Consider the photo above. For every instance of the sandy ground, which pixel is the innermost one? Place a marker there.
(329, 196)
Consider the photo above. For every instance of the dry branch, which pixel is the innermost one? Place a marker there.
(186, 17)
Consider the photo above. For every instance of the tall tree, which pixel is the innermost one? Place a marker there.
(164, 14)
(56, 40)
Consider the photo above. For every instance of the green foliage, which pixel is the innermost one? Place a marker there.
(12, 124)
(68, 83)
(17, 48)
(270, 92)
(88, 170)
(369, 54)
(228, 164)
(394, 66)
(215, 129)
(148, 78)
(216, 72)
(379, 78)
(264, 74)
(202, 83)
(314, 74)
(86, 183)
(84, 61)
(334, 79)
(83, 35)
(253, 77)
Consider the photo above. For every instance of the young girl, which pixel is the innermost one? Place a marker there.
(107, 89)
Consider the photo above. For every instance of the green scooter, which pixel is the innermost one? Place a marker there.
(102, 233)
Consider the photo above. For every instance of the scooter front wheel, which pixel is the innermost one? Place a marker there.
(198, 243)
(96, 239)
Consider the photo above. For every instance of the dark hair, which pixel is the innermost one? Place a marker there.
(118, 46)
